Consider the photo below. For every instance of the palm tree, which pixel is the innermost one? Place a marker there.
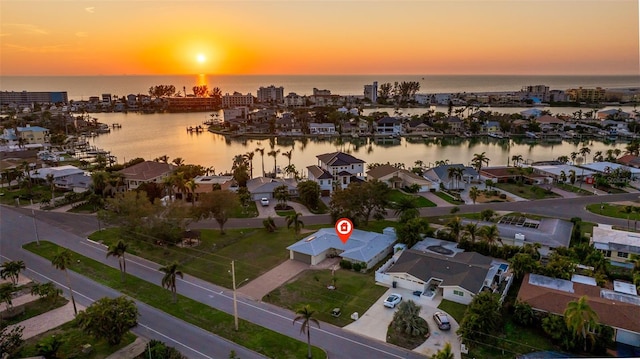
(118, 251)
(584, 151)
(628, 210)
(178, 161)
(563, 159)
(572, 176)
(563, 177)
(490, 234)
(169, 280)
(179, 183)
(516, 159)
(474, 193)
(191, 187)
(455, 228)
(406, 207)
(288, 155)
(597, 156)
(478, 160)
(472, 231)
(50, 182)
(261, 150)
(579, 317)
(294, 220)
(574, 155)
(444, 353)
(305, 315)
(249, 156)
(274, 154)
(12, 269)
(62, 261)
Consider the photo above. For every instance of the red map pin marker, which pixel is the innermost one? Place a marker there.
(344, 228)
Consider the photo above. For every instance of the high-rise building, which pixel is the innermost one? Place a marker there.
(371, 92)
(29, 97)
(271, 94)
(237, 99)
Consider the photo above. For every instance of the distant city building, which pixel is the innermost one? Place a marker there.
(294, 100)
(271, 94)
(187, 104)
(317, 92)
(30, 97)
(587, 94)
(371, 92)
(237, 99)
(557, 96)
(537, 93)
(106, 97)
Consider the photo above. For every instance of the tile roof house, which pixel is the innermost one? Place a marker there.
(440, 175)
(458, 278)
(362, 246)
(616, 245)
(336, 169)
(146, 172)
(618, 308)
(630, 160)
(399, 178)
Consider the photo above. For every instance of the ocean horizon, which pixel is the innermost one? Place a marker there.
(82, 87)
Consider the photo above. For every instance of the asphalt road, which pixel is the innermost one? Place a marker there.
(70, 230)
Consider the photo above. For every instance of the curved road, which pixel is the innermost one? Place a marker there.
(70, 230)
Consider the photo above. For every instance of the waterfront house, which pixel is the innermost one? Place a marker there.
(33, 135)
(491, 127)
(457, 277)
(336, 169)
(388, 126)
(616, 245)
(322, 129)
(418, 126)
(511, 174)
(555, 172)
(630, 160)
(607, 167)
(613, 114)
(70, 178)
(399, 178)
(618, 308)
(210, 183)
(264, 187)
(146, 172)
(363, 247)
(455, 124)
(440, 176)
(531, 113)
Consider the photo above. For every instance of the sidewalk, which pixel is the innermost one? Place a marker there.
(132, 350)
(47, 321)
(435, 199)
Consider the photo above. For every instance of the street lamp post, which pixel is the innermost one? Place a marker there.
(35, 226)
(235, 298)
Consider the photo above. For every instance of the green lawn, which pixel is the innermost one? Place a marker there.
(395, 195)
(32, 309)
(515, 341)
(73, 338)
(249, 212)
(526, 191)
(355, 292)
(7, 196)
(613, 210)
(456, 310)
(448, 198)
(286, 213)
(574, 189)
(255, 251)
(254, 337)
(84, 208)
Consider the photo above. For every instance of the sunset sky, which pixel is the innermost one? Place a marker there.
(120, 37)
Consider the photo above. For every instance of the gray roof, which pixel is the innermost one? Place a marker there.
(57, 172)
(319, 173)
(551, 232)
(442, 172)
(338, 159)
(267, 185)
(467, 270)
(362, 246)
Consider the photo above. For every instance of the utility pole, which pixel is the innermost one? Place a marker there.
(235, 299)
(35, 225)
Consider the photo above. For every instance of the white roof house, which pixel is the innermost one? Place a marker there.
(605, 167)
(57, 172)
(362, 246)
(616, 245)
(556, 170)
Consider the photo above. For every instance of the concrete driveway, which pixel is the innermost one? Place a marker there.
(375, 321)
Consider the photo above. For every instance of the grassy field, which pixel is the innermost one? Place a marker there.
(526, 191)
(254, 337)
(614, 210)
(73, 338)
(395, 195)
(32, 309)
(355, 292)
(515, 340)
(7, 196)
(448, 198)
(254, 250)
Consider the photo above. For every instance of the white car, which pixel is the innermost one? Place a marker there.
(392, 300)
(264, 201)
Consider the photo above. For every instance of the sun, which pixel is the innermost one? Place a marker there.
(201, 58)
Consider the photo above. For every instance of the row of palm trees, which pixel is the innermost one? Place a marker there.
(472, 231)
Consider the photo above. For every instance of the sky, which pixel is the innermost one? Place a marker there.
(149, 37)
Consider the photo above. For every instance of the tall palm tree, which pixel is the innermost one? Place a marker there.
(563, 159)
(62, 261)
(406, 207)
(455, 228)
(478, 160)
(288, 155)
(444, 353)
(12, 269)
(169, 280)
(597, 156)
(305, 316)
(574, 155)
(490, 234)
(628, 210)
(516, 159)
(584, 151)
(294, 220)
(191, 186)
(474, 193)
(579, 317)
(261, 150)
(50, 182)
(472, 231)
(118, 250)
(274, 154)
(563, 176)
(178, 161)
(250, 156)
(179, 183)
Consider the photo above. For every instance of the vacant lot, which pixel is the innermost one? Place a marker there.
(526, 191)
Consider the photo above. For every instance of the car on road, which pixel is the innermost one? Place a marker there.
(392, 300)
(442, 320)
(264, 201)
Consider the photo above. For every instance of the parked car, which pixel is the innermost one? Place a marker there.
(442, 320)
(392, 300)
(264, 201)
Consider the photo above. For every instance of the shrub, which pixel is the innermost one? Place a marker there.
(503, 196)
(356, 267)
(345, 264)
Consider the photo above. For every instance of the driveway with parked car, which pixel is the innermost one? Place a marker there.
(374, 322)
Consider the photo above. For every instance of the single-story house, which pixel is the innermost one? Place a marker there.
(616, 245)
(440, 175)
(548, 232)
(146, 172)
(630, 160)
(362, 246)
(206, 184)
(399, 178)
(555, 172)
(606, 167)
(457, 278)
(322, 128)
(58, 173)
(506, 174)
(618, 308)
(263, 187)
